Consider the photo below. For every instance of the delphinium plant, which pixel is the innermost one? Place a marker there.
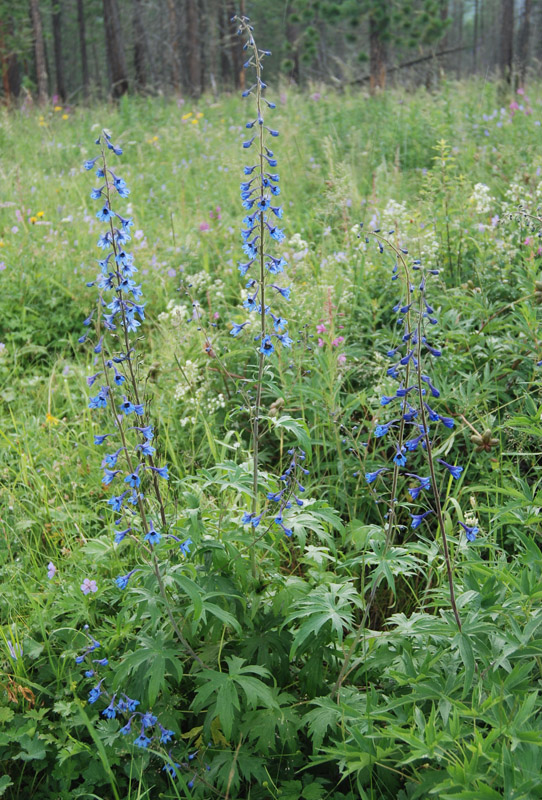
(124, 430)
(409, 481)
(262, 267)
(410, 435)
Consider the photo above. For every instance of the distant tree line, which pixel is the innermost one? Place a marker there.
(77, 49)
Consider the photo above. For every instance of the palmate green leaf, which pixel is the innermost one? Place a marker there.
(329, 609)
(5, 783)
(327, 716)
(221, 690)
(227, 699)
(229, 768)
(161, 657)
(264, 726)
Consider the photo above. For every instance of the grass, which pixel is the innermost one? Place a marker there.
(423, 709)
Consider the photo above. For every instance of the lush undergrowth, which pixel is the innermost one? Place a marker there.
(286, 682)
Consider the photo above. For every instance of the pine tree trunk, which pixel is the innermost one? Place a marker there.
(115, 49)
(475, 38)
(139, 44)
(377, 58)
(39, 51)
(4, 61)
(174, 45)
(458, 13)
(223, 37)
(56, 18)
(236, 46)
(203, 21)
(507, 39)
(83, 45)
(523, 41)
(194, 70)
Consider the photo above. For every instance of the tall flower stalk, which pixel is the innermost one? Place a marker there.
(131, 462)
(262, 267)
(408, 433)
(415, 316)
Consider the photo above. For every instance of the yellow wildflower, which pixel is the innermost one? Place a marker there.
(57, 108)
(65, 116)
(186, 116)
(33, 220)
(50, 420)
(40, 213)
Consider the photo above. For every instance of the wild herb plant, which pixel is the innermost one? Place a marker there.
(410, 429)
(130, 462)
(261, 229)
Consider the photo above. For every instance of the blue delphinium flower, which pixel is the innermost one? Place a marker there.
(95, 692)
(122, 580)
(370, 477)
(454, 471)
(142, 740)
(292, 485)
(171, 769)
(153, 536)
(110, 712)
(417, 519)
(470, 531)
(184, 547)
(165, 734)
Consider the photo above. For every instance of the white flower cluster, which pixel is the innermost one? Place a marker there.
(175, 313)
(481, 199)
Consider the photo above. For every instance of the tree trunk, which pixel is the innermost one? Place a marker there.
(56, 17)
(459, 11)
(9, 65)
(223, 38)
(192, 29)
(377, 57)
(475, 38)
(139, 44)
(507, 39)
(114, 47)
(174, 45)
(236, 47)
(39, 51)
(83, 45)
(523, 41)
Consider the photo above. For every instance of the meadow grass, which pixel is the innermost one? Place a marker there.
(423, 708)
